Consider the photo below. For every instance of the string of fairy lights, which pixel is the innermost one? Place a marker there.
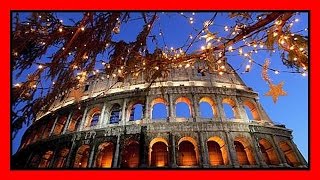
(179, 57)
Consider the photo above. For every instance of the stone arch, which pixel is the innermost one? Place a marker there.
(232, 104)
(252, 107)
(158, 101)
(217, 156)
(93, 117)
(132, 113)
(60, 125)
(210, 101)
(289, 153)
(104, 157)
(82, 156)
(131, 155)
(60, 161)
(46, 159)
(184, 101)
(188, 154)
(244, 151)
(75, 122)
(115, 114)
(158, 152)
(268, 152)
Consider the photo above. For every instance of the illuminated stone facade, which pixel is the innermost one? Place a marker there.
(102, 131)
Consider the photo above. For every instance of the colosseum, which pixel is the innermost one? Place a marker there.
(135, 124)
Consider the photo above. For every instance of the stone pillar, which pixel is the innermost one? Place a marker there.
(241, 110)
(67, 123)
(91, 156)
(84, 117)
(143, 147)
(173, 158)
(123, 112)
(101, 118)
(282, 158)
(195, 107)
(258, 154)
(147, 112)
(221, 114)
(72, 154)
(203, 151)
(171, 108)
(116, 163)
(54, 125)
(231, 151)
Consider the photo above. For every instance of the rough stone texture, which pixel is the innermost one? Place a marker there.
(183, 85)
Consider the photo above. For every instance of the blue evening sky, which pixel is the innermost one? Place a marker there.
(175, 28)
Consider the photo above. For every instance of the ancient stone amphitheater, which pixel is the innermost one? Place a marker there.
(101, 127)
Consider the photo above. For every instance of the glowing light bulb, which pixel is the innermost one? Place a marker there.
(40, 66)
(296, 20)
(222, 67)
(301, 49)
(157, 68)
(276, 72)
(203, 48)
(230, 48)
(295, 59)
(17, 85)
(187, 65)
(304, 74)
(82, 28)
(261, 45)
(275, 34)
(246, 54)
(190, 36)
(220, 73)
(291, 48)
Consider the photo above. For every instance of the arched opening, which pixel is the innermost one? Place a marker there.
(158, 153)
(183, 107)
(82, 157)
(251, 110)
(187, 153)
(215, 154)
(93, 117)
(115, 114)
(105, 155)
(230, 110)
(159, 109)
(131, 155)
(46, 159)
(290, 156)
(136, 112)
(75, 122)
(268, 152)
(207, 108)
(59, 125)
(62, 158)
(218, 152)
(241, 153)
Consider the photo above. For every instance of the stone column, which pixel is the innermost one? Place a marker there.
(173, 163)
(72, 154)
(123, 112)
(54, 125)
(143, 147)
(257, 152)
(240, 108)
(280, 154)
(221, 114)
(101, 118)
(171, 108)
(116, 163)
(84, 117)
(67, 123)
(146, 114)
(204, 151)
(91, 156)
(195, 107)
(231, 151)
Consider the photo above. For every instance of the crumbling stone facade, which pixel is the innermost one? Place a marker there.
(99, 131)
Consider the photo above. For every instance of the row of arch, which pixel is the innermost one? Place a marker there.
(159, 154)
